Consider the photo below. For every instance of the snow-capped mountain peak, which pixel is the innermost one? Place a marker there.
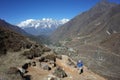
(36, 26)
(42, 23)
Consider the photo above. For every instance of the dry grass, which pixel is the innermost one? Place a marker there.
(11, 59)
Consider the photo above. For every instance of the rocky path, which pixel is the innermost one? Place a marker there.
(37, 73)
(73, 72)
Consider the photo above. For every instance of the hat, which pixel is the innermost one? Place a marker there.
(79, 61)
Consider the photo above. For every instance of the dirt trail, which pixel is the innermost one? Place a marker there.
(73, 72)
(38, 73)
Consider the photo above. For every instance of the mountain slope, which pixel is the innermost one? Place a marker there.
(12, 27)
(88, 20)
(13, 46)
(95, 36)
(11, 40)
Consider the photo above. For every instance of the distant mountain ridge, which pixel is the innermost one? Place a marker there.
(44, 26)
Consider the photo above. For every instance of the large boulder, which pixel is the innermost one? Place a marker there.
(45, 66)
(52, 77)
(33, 63)
(27, 77)
(59, 72)
(28, 46)
(25, 66)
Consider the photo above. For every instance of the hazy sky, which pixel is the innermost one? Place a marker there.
(15, 11)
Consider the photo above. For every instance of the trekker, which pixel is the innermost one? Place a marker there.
(80, 66)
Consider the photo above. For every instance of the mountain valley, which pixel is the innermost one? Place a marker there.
(49, 49)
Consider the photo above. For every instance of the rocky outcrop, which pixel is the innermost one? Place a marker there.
(33, 52)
